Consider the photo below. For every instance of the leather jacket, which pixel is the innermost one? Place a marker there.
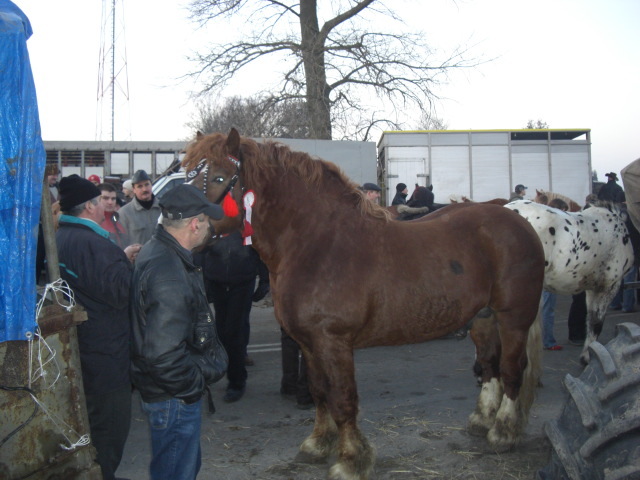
(175, 349)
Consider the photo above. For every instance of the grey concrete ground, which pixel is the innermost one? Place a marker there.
(414, 403)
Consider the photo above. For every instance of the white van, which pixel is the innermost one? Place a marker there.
(163, 184)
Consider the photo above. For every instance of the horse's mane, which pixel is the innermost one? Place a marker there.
(612, 207)
(268, 159)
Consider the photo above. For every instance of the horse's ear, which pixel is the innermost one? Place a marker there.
(199, 135)
(233, 142)
(539, 192)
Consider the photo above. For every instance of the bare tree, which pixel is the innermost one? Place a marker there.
(537, 124)
(431, 122)
(333, 66)
(254, 117)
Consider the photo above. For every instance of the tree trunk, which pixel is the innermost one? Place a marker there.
(316, 77)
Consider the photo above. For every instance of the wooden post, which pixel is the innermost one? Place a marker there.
(48, 230)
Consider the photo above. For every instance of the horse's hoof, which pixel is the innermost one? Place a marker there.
(341, 471)
(308, 458)
(318, 448)
(477, 430)
(478, 426)
(501, 442)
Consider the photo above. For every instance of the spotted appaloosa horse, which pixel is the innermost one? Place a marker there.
(340, 282)
(589, 250)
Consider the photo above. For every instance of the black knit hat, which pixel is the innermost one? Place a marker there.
(400, 187)
(75, 190)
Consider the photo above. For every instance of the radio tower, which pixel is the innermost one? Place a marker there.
(113, 78)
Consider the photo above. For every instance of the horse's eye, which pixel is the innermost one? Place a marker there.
(217, 180)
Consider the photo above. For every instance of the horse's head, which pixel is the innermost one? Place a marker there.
(541, 197)
(213, 164)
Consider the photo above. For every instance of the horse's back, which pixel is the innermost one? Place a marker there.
(583, 250)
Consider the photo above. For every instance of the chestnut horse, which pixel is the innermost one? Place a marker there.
(339, 282)
(545, 197)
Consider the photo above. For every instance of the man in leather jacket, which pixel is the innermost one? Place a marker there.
(174, 334)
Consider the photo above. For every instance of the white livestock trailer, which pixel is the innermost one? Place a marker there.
(486, 164)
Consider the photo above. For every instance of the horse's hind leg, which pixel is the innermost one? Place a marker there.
(597, 305)
(484, 334)
(521, 345)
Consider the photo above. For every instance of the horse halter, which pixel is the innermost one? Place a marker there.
(203, 167)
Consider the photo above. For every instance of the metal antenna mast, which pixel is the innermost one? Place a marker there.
(113, 87)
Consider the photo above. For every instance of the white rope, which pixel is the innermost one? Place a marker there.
(60, 293)
(64, 428)
(59, 286)
(57, 292)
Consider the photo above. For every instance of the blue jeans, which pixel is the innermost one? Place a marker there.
(548, 317)
(175, 439)
(626, 298)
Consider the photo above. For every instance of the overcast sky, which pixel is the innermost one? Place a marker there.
(570, 63)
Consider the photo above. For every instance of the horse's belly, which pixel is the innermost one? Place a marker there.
(416, 323)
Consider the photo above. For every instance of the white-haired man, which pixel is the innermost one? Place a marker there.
(99, 273)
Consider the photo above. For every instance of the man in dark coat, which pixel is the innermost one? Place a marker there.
(99, 273)
(401, 195)
(611, 191)
(230, 268)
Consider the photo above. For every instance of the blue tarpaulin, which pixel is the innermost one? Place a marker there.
(23, 161)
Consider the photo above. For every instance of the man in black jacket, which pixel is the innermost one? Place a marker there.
(401, 194)
(174, 333)
(230, 270)
(99, 273)
(611, 191)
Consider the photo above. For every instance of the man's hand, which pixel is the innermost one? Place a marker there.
(132, 251)
(261, 292)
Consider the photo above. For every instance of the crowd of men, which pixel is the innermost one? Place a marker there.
(149, 323)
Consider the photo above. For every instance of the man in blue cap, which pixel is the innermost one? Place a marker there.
(371, 191)
(519, 193)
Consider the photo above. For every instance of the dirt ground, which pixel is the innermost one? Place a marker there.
(414, 404)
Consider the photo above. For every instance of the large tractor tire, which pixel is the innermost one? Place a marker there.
(597, 435)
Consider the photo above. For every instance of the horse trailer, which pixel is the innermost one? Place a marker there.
(118, 160)
(486, 164)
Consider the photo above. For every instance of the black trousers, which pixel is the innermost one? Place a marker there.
(577, 320)
(232, 305)
(294, 370)
(109, 421)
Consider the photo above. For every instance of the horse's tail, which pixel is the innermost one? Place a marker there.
(533, 372)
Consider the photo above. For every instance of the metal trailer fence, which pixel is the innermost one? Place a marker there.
(120, 159)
